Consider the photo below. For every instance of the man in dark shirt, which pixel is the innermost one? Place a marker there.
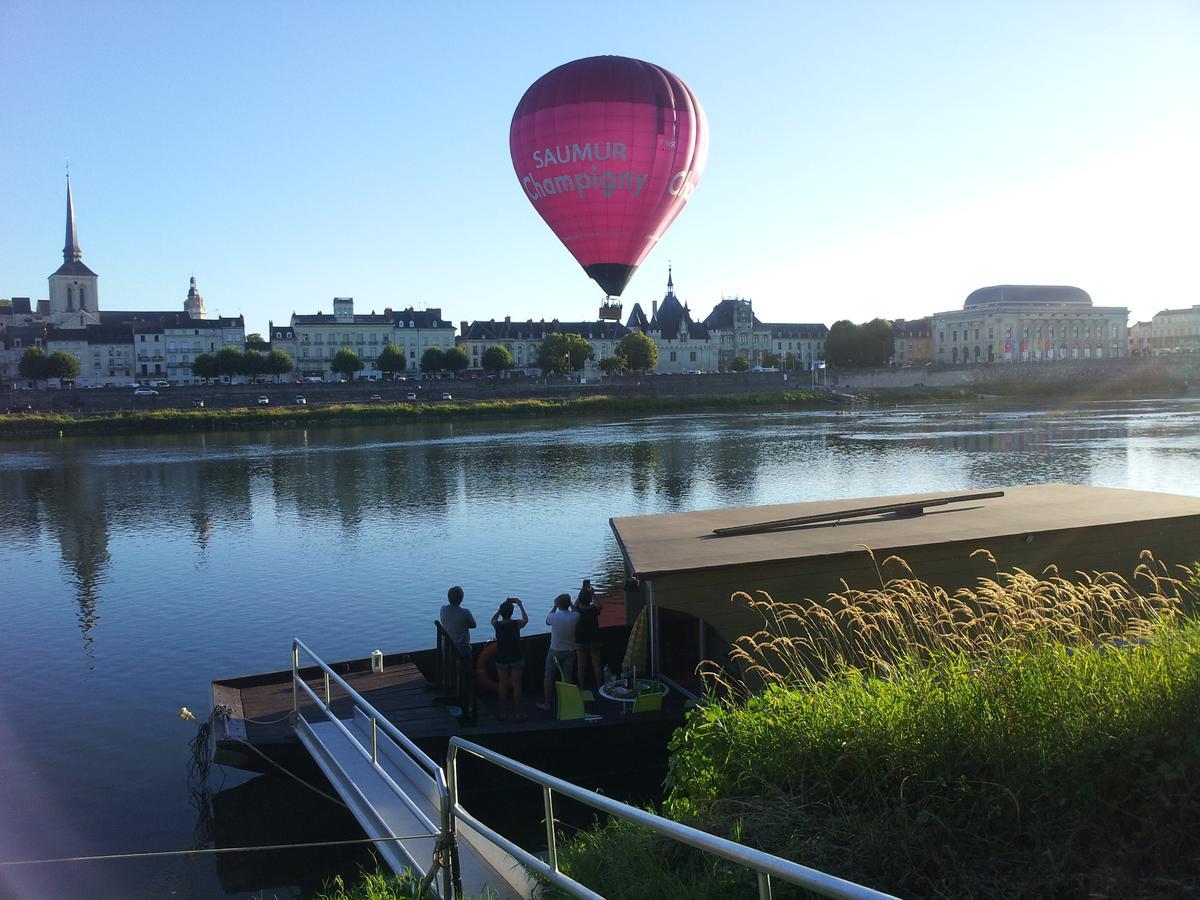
(457, 620)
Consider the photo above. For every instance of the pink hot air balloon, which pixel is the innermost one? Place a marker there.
(608, 150)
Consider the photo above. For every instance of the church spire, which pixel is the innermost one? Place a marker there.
(71, 251)
(670, 283)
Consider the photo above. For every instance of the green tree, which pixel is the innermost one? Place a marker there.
(770, 360)
(455, 359)
(33, 364)
(497, 359)
(230, 361)
(62, 365)
(841, 344)
(253, 363)
(278, 363)
(205, 366)
(433, 360)
(391, 360)
(254, 338)
(739, 364)
(640, 353)
(563, 353)
(346, 362)
(610, 365)
(876, 342)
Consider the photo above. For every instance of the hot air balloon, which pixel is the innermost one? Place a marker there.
(608, 150)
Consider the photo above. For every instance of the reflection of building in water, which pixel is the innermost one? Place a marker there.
(70, 506)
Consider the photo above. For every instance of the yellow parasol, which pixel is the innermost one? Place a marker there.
(635, 650)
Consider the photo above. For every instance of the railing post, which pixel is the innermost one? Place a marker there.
(295, 690)
(551, 846)
(374, 740)
(328, 695)
(764, 886)
(449, 821)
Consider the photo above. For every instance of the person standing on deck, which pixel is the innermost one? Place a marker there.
(562, 621)
(587, 636)
(510, 656)
(457, 620)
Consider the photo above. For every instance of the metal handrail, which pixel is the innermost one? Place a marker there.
(464, 674)
(766, 865)
(451, 881)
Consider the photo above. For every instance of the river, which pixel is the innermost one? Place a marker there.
(134, 569)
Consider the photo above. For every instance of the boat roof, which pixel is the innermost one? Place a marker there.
(684, 542)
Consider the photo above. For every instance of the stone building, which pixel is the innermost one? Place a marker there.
(319, 337)
(912, 342)
(523, 340)
(684, 345)
(1024, 323)
(1175, 331)
(797, 344)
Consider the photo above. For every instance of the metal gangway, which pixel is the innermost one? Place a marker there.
(410, 804)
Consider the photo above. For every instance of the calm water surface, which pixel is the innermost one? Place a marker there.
(135, 569)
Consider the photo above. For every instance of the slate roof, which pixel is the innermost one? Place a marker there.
(27, 334)
(530, 330)
(112, 333)
(912, 327)
(422, 318)
(637, 319)
(1028, 293)
(20, 307)
(674, 321)
(809, 330)
(73, 267)
(282, 333)
(721, 318)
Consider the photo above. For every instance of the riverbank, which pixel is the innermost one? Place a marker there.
(1012, 754)
(252, 418)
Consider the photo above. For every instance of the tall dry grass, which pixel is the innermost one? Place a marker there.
(906, 619)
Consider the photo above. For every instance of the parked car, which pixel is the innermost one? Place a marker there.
(410, 396)
(145, 392)
(264, 400)
(446, 395)
(313, 379)
(198, 403)
(300, 400)
(159, 383)
(375, 398)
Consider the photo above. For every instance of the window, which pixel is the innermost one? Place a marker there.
(693, 356)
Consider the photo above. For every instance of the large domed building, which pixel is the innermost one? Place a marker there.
(1027, 323)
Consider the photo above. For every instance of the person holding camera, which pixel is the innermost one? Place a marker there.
(510, 655)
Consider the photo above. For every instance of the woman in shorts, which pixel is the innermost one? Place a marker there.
(510, 656)
(587, 636)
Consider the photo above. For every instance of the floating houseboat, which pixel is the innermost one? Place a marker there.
(683, 568)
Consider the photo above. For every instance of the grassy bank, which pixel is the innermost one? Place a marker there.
(245, 418)
(1033, 738)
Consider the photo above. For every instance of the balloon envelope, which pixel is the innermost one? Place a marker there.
(608, 150)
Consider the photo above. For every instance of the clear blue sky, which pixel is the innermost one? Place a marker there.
(866, 159)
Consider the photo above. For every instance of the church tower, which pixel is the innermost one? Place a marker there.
(74, 288)
(193, 306)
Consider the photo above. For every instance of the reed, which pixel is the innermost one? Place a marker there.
(1030, 737)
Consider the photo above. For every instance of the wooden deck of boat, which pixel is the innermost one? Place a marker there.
(402, 694)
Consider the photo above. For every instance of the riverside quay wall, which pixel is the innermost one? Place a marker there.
(1124, 377)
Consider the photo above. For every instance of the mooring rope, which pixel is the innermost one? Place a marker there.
(206, 851)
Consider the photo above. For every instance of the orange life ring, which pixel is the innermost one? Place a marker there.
(483, 678)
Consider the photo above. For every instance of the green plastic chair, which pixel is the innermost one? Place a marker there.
(648, 702)
(570, 701)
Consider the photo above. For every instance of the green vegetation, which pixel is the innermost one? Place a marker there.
(455, 359)
(1030, 738)
(433, 360)
(346, 362)
(636, 352)
(739, 364)
(175, 420)
(379, 885)
(560, 354)
(496, 359)
(391, 360)
(864, 346)
(37, 366)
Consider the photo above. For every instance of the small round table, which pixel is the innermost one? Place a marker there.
(644, 686)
